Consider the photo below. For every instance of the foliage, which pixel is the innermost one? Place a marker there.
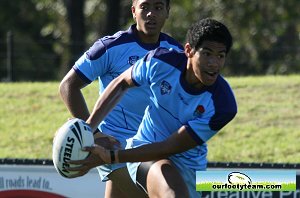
(266, 33)
(33, 56)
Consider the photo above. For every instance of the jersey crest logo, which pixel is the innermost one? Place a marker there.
(199, 110)
(132, 59)
(165, 88)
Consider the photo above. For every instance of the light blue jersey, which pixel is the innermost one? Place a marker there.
(174, 104)
(106, 60)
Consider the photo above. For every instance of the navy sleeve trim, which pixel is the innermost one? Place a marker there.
(81, 75)
(194, 135)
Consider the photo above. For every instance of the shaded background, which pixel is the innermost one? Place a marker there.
(41, 39)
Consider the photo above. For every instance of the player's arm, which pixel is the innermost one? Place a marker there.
(70, 92)
(110, 97)
(178, 142)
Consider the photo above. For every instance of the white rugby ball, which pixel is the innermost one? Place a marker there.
(67, 144)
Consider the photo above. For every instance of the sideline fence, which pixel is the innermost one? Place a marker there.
(37, 177)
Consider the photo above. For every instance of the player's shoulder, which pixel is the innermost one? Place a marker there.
(120, 37)
(170, 40)
(224, 104)
(105, 43)
(168, 56)
(223, 95)
(222, 84)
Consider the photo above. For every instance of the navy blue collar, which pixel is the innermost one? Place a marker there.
(147, 46)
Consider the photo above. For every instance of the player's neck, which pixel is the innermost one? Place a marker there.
(192, 80)
(147, 39)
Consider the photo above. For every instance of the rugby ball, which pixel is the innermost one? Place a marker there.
(70, 138)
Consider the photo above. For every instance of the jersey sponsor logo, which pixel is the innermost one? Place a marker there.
(132, 59)
(165, 88)
(199, 110)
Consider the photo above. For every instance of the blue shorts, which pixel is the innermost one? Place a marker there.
(188, 174)
(106, 169)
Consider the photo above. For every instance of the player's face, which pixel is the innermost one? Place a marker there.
(204, 65)
(150, 16)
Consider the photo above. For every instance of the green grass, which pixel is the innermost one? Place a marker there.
(266, 128)
(30, 115)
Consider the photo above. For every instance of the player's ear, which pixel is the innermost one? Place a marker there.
(133, 12)
(188, 50)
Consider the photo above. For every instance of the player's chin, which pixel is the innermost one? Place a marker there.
(152, 30)
(209, 79)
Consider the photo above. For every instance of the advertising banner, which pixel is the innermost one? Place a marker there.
(43, 181)
(35, 181)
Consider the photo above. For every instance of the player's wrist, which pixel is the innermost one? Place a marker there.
(107, 159)
(114, 157)
(104, 154)
(117, 156)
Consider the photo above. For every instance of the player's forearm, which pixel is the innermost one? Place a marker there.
(107, 101)
(74, 101)
(148, 152)
(178, 142)
(110, 97)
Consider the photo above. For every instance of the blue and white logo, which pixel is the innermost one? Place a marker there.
(132, 59)
(165, 88)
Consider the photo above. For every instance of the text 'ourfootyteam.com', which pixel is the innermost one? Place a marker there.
(244, 186)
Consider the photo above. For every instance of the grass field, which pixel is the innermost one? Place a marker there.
(266, 128)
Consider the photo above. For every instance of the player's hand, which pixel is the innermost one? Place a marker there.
(107, 141)
(104, 143)
(98, 156)
(99, 152)
(84, 166)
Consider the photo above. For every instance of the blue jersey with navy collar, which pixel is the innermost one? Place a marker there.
(174, 104)
(107, 59)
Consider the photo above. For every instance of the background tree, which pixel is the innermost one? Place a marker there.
(113, 14)
(33, 58)
(76, 22)
(50, 35)
(266, 33)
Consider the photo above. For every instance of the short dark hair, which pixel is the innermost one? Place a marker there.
(208, 30)
(167, 2)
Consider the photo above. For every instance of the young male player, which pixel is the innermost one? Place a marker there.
(189, 103)
(106, 60)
